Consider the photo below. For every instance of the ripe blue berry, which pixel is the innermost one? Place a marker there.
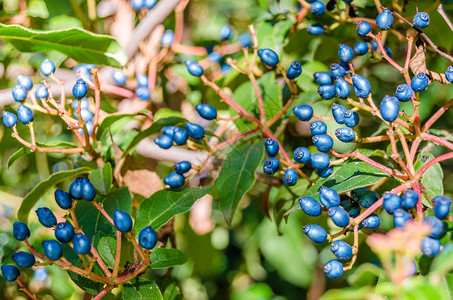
(271, 165)
(52, 249)
(328, 197)
(345, 134)
(420, 82)
(409, 199)
(206, 111)
(294, 70)
(342, 88)
(195, 131)
(324, 173)
(323, 78)
(449, 74)
(318, 127)
(303, 112)
(391, 202)
(226, 32)
(9, 119)
(19, 93)
(164, 141)
(315, 29)
(442, 206)
(338, 112)
(310, 206)
(327, 92)
(215, 57)
(75, 190)
(430, 247)
(87, 189)
(323, 142)
(341, 249)
(81, 244)
(388, 52)
(84, 104)
(320, 160)
(24, 114)
(167, 38)
(400, 217)
(358, 193)
(147, 238)
(374, 44)
(271, 147)
(389, 108)
(337, 71)
(174, 180)
(367, 199)
(138, 4)
(345, 66)
(182, 167)
(47, 67)
(10, 272)
(316, 233)
(46, 217)
(421, 20)
(80, 89)
(373, 221)
(333, 269)
(290, 177)
(194, 68)
(25, 82)
(353, 209)
(338, 215)
(361, 48)
(119, 78)
(168, 130)
(150, 3)
(122, 221)
(41, 92)
(361, 86)
(63, 199)
(437, 227)
(142, 80)
(23, 259)
(345, 53)
(245, 40)
(362, 27)
(404, 92)
(302, 155)
(180, 136)
(64, 232)
(351, 118)
(143, 93)
(317, 8)
(268, 57)
(384, 20)
(20, 231)
(84, 69)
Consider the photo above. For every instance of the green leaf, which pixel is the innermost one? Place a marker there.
(348, 294)
(162, 258)
(366, 275)
(38, 191)
(443, 263)
(78, 44)
(16, 155)
(102, 179)
(271, 93)
(141, 288)
(107, 249)
(237, 176)
(165, 204)
(172, 292)
(432, 179)
(108, 121)
(156, 127)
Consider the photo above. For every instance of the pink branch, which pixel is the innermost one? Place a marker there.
(433, 162)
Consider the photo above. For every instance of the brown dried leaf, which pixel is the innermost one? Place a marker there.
(143, 182)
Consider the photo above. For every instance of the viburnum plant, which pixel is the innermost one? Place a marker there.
(255, 119)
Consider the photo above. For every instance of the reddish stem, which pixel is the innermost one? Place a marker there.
(432, 162)
(417, 188)
(235, 139)
(436, 139)
(22, 286)
(437, 115)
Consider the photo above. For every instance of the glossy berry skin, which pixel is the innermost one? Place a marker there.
(337, 71)
(358, 193)
(352, 209)
(341, 249)
(421, 20)
(333, 269)
(351, 118)
(271, 166)
(75, 190)
(316, 233)
(268, 57)
(404, 92)
(23, 259)
(324, 173)
(320, 160)
(290, 177)
(164, 141)
(24, 114)
(215, 57)
(52, 249)
(345, 134)
(47, 67)
(338, 215)
(9, 119)
(180, 136)
(147, 238)
(317, 8)
(19, 93)
(323, 78)
(400, 217)
(87, 189)
(294, 70)
(361, 48)
(315, 29)
(10, 272)
(142, 80)
(81, 244)
(64, 232)
(168, 130)
(150, 3)
(182, 167)
(342, 88)
(310, 206)
(46, 217)
(388, 52)
(167, 38)
(391, 202)
(174, 180)
(245, 40)
(41, 92)
(345, 53)
(430, 247)
(328, 197)
(303, 112)
(384, 20)
(389, 108)
(361, 86)
(302, 155)
(20, 231)
(195, 131)
(373, 221)
(409, 199)
(437, 227)
(323, 142)
(226, 32)
(362, 27)
(442, 206)
(194, 68)
(338, 112)
(206, 111)
(119, 78)
(367, 199)
(420, 82)
(80, 89)
(63, 199)
(143, 93)
(327, 92)
(449, 74)
(271, 147)
(318, 127)
(122, 221)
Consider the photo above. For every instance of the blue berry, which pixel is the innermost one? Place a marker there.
(122, 221)
(409, 199)
(20, 231)
(294, 70)
(225, 68)
(75, 190)
(194, 68)
(341, 249)
(41, 92)
(389, 108)
(147, 238)
(371, 222)
(215, 57)
(167, 38)
(271, 165)
(143, 93)
(374, 44)
(245, 40)
(23, 259)
(81, 244)
(268, 57)
(174, 180)
(226, 32)
(384, 20)
(206, 111)
(404, 92)
(87, 189)
(437, 227)
(420, 82)
(367, 199)
(320, 160)
(310, 206)
(317, 8)
(47, 67)
(327, 92)
(315, 29)
(271, 147)
(388, 52)
(84, 69)
(89, 126)
(164, 141)
(52, 249)
(323, 78)
(352, 209)
(358, 193)
(400, 217)
(182, 167)
(391, 202)
(337, 71)
(442, 206)
(9, 119)
(10, 272)
(449, 74)
(138, 4)
(119, 77)
(168, 130)
(342, 88)
(318, 127)
(338, 215)
(63, 199)
(303, 112)
(46, 217)
(345, 67)
(150, 3)
(25, 82)
(195, 131)
(361, 86)
(324, 173)
(328, 197)
(351, 118)
(290, 177)
(302, 155)
(64, 232)
(345, 53)
(80, 89)
(338, 112)
(142, 80)
(362, 27)
(421, 20)
(361, 48)
(430, 247)
(19, 93)
(316, 233)
(345, 134)
(323, 142)
(86, 115)
(180, 136)
(333, 269)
